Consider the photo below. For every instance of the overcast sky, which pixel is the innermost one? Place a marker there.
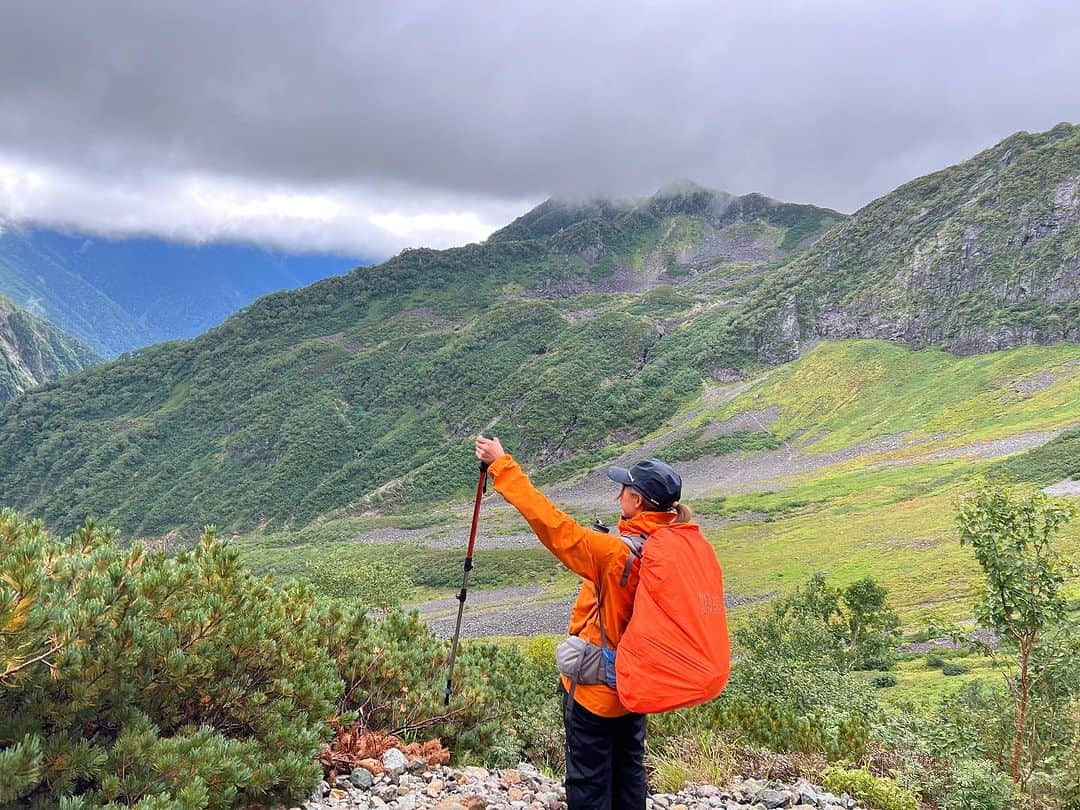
(366, 127)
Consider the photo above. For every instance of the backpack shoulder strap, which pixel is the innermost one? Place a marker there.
(636, 543)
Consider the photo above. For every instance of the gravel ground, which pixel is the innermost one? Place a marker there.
(766, 469)
(543, 618)
(735, 473)
(1066, 487)
(455, 535)
(997, 447)
(516, 611)
(391, 535)
(987, 637)
(398, 784)
(496, 595)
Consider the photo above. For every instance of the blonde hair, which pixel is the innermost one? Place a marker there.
(683, 513)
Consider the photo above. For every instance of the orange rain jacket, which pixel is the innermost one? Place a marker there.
(593, 555)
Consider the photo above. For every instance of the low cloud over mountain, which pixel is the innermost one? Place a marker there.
(368, 127)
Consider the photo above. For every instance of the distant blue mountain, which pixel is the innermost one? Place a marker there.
(121, 294)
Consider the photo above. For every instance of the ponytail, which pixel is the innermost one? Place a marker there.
(683, 513)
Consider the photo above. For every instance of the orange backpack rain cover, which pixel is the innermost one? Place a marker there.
(675, 651)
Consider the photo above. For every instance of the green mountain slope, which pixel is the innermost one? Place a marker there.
(354, 391)
(575, 331)
(848, 460)
(980, 256)
(34, 352)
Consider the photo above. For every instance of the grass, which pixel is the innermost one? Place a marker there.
(898, 529)
(847, 392)
(924, 687)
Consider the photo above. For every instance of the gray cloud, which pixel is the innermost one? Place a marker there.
(425, 107)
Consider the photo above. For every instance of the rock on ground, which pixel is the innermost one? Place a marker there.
(436, 787)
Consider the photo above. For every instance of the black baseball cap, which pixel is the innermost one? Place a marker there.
(656, 481)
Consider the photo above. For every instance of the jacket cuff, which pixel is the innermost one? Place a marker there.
(501, 464)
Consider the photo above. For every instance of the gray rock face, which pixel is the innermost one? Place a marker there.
(980, 257)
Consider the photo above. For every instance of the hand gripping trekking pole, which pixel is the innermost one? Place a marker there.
(481, 487)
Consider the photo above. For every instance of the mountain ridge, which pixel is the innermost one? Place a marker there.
(376, 372)
(355, 392)
(980, 256)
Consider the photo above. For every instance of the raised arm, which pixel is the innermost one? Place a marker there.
(584, 551)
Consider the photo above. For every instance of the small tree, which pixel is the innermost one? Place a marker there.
(854, 627)
(1011, 532)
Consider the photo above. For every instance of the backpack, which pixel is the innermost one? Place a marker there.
(675, 650)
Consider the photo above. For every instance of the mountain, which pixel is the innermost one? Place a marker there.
(981, 256)
(353, 390)
(118, 295)
(695, 227)
(34, 352)
(575, 331)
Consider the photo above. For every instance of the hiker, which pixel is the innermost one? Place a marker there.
(605, 743)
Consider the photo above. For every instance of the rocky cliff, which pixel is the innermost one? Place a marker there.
(980, 256)
(33, 352)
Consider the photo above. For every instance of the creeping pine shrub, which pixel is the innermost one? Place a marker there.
(877, 791)
(955, 669)
(789, 707)
(130, 678)
(934, 660)
(149, 681)
(394, 670)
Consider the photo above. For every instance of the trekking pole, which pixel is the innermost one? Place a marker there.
(481, 488)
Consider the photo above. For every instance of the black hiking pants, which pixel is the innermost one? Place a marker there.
(605, 759)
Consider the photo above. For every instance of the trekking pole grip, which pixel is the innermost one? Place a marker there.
(484, 464)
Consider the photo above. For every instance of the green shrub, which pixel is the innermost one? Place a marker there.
(789, 691)
(881, 663)
(934, 660)
(850, 627)
(978, 785)
(953, 668)
(693, 446)
(540, 655)
(395, 669)
(950, 756)
(877, 791)
(884, 680)
(369, 583)
(130, 676)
